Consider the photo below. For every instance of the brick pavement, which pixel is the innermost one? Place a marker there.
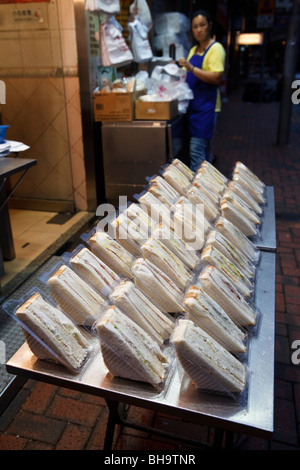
(44, 417)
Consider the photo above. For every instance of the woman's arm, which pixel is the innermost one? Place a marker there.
(213, 78)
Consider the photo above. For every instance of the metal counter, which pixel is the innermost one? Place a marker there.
(180, 397)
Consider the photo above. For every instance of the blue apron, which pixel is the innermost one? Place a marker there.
(201, 110)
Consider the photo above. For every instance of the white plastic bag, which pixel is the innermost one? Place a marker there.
(140, 45)
(111, 7)
(114, 50)
(141, 9)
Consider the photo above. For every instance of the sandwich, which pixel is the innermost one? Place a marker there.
(237, 238)
(162, 257)
(212, 256)
(129, 233)
(208, 167)
(243, 194)
(197, 196)
(255, 192)
(208, 315)
(185, 253)
(74, 296)
(241, 206)
(210, 179)
(111, 252)
(231, 213)
(128, 351)
(223, 291)
(183, 168)
(161, 189)
(232, 253)
(133, 303)
(94, 271)
(210, 366)
(176, 179)
(157, 210)
(157, 286)
(51, 335)
(250, 175)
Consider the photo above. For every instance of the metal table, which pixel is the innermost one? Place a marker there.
(266, 239)
(8, 167)
(180, 398)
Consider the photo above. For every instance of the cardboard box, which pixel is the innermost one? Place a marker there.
(156, 110)
(115, 106)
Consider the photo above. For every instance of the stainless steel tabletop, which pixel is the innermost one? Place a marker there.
(180, 397)
(266, 238)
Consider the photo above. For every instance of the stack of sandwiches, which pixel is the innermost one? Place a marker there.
(157, 286)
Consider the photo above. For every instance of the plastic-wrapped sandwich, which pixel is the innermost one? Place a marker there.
(237, 238)
(207, 166)
(242, 206)
(159, 255)
(201, 184)
(250, 175)
(111, 252)
(225, 246)
(183, 168)
(176, 179)
(158, 286)
(184, 252)
(197, 196)
(214, 178)
(245, 196)
(131, 300)
(131, 233)
(214, 257)
(224, 292)
(94, 271)
(128, 351)
(158, 211)
(209, 315)
(160, 188)
(74, 296)
(249, 181)
(51, 335)
(209, 365)
(230, 212)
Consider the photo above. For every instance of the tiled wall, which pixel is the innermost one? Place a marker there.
(39, 68)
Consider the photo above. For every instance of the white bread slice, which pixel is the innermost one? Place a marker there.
(210, 179)
(61, 340)
(242, 168)
(183, 168)
(209, 365)
(184, 252)
(236, 256)
(176, 178)
(237, 238)
(157, 286)
(197, 196)
(249, 187)
(160, 188)
(214, 171)
(212, 256)
(245, 225)
(159, 255)
(242, 206)
(111, 252)
(158, 211)
(201, 184)
(94, 271)
(243, 194)
(74, 296)
(128, 351)
(208, 315)
(224, 292)
(128, 298)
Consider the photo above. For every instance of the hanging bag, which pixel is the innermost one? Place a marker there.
(140, 45)
(114, 50)
(111, 7)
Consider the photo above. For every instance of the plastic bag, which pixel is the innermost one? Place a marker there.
(114, 50)
(141, 9)
(111, 7)
(140, 45)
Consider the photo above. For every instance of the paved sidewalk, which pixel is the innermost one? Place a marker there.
(46, 417)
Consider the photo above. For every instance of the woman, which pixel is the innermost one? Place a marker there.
(205, 66)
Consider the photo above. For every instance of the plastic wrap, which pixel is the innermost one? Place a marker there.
(176, 179)
(76, 297)
(51, 335)
(92, 269)
(109, 251)
(163, 190)
(210, 366)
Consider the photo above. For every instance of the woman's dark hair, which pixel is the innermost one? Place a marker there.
(202, 13)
